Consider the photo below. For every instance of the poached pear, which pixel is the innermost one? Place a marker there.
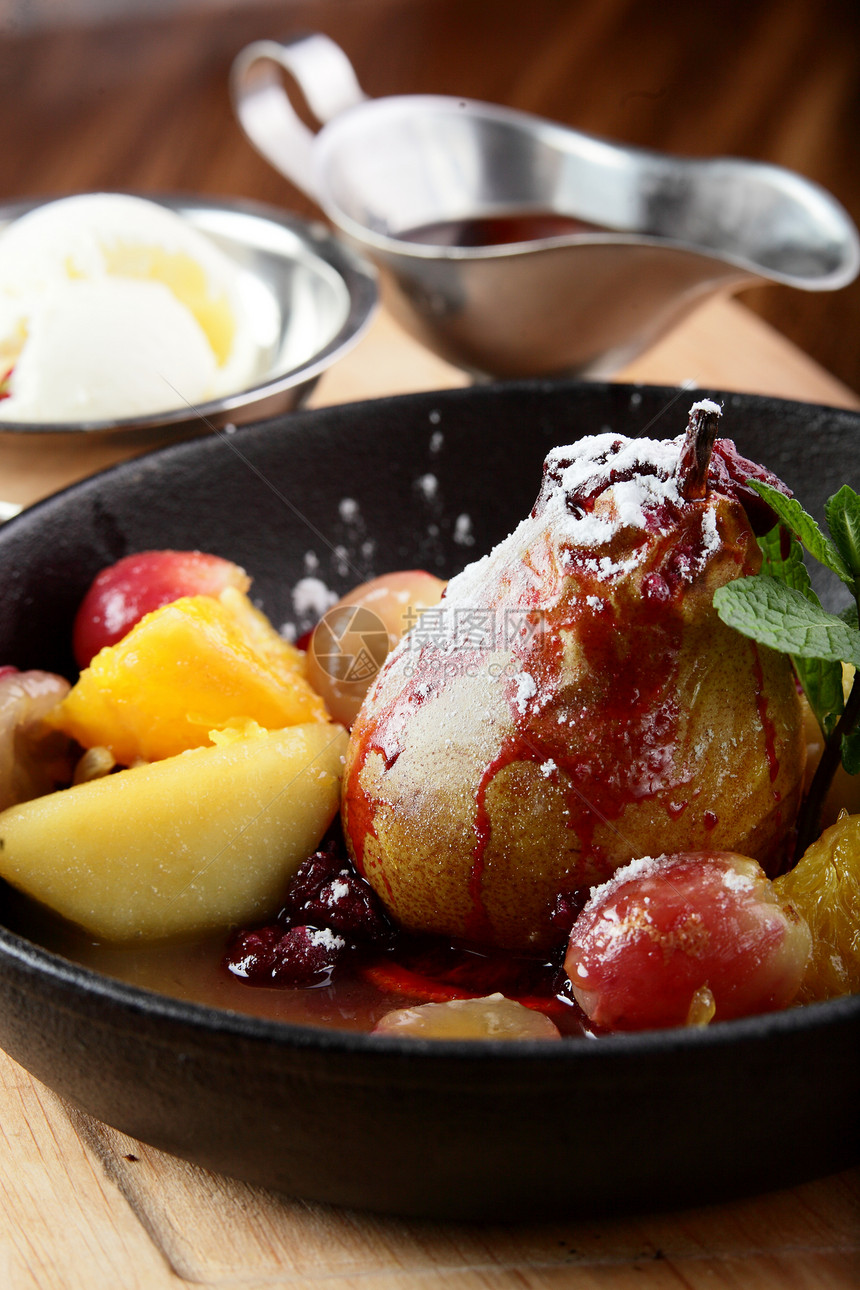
(574, 702)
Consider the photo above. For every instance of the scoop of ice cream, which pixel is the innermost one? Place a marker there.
(112, 306)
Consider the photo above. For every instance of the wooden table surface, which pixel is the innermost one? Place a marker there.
(142, 105)
(84, 1208)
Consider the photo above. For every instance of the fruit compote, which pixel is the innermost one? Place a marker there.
(350, 988)
(540, 771)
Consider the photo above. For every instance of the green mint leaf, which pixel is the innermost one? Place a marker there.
(773, 614)
(851, 751)
(782, 558)
(843, 519)
(786, 565)
(795, 518)
(822, 685)
(851, 616)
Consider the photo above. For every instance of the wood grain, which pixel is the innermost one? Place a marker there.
(142, 103)
(61, 1215)
(86, 1208)
(239, 1230)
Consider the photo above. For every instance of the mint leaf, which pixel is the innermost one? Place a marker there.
(782, 558)
(851, 616)
(786, 564)
(822, 685)
(843, 519)
(795, 518)
(779, 608)
(779, 616)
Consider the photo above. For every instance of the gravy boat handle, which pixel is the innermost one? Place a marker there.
(327, 81)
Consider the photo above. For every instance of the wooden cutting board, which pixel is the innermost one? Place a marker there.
(83, 1207)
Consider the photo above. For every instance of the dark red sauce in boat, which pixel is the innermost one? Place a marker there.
(499, 230)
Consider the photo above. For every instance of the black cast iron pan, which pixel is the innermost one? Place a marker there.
(456, 1130)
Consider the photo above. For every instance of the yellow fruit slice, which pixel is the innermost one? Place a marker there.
(493, 1017)
(824, 886)
(196, 665)
(191, 843)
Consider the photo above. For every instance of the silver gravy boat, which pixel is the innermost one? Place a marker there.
(584, 251)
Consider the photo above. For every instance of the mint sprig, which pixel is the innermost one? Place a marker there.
(782, 558)
(779, 608)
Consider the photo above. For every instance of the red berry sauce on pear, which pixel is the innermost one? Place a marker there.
(605, 732)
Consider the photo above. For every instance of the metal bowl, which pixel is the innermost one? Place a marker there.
(309, 295)
(608, 246)
(482, 1130)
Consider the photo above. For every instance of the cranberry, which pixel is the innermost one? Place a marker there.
(348, 905)
(327, 892)
(301, 955)
(311, 875)
(328, 910)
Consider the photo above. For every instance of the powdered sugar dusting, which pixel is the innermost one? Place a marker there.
(710, 533)
(325, 938)
(463, 534)
(428, 485)
(707, 405)
(338, 890)
(737, 882)
(601, 502)
(311, 598)
(526, 690)
(641, 867)
(646, 475)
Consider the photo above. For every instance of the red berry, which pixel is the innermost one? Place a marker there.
(136, 585)
(298, 956)
(662, 935)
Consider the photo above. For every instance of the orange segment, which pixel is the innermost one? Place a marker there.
(186, 669)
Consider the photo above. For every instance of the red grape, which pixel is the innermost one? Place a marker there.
(136, 585)
(654, 940)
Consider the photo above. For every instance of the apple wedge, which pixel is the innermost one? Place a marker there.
(198, 841)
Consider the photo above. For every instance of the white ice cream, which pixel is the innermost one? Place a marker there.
(114, 307)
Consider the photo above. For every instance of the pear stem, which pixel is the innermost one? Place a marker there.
(702, 426)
